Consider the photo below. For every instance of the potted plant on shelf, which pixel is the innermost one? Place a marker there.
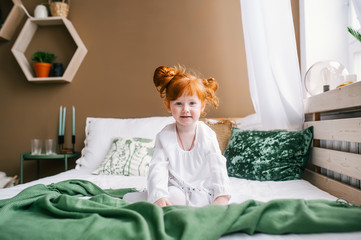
(42, 63)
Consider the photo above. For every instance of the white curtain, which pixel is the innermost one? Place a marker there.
(357, 6)
(272, 63)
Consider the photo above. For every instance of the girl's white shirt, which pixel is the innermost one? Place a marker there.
(201, 171)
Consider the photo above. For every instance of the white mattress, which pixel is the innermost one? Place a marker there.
(242, 190)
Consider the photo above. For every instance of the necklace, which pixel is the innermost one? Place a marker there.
(182, 142)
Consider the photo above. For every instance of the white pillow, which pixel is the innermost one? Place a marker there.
(99, 133)
(127, 157)
(249, 122)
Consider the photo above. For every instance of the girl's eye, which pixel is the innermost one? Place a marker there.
(178, 103)
(192, 103)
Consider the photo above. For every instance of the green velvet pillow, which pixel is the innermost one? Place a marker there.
(276, 155)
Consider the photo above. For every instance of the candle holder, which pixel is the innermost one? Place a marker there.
(62, 117)
(62, 149)
(73, 142)
(60, 142)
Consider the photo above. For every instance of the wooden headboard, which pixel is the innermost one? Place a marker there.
(335, 164)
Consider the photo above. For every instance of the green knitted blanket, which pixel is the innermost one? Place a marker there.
(56, 212)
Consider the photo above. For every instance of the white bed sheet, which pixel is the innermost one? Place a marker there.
(241, 190)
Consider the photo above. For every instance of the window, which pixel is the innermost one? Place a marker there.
(324, 35)
(354, 45)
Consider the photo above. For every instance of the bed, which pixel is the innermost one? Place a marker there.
(85, 202)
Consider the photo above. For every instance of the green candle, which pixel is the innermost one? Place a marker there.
(73, 121)
(60, 120)
(63, 129)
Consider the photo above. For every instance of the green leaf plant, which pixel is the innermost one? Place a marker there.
(354, 33)
(45, 57)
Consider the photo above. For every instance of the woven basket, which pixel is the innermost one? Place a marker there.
(59, 9)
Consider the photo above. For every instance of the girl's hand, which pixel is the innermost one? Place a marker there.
(162, 202)
(221, 200)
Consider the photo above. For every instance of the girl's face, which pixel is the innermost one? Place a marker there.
(186, 110)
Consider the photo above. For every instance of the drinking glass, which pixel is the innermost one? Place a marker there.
(36, 145)
(50, 146)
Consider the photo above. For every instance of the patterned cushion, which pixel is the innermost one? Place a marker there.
(276, 155)
(128, 157)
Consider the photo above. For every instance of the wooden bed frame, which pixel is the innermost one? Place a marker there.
(335, 116)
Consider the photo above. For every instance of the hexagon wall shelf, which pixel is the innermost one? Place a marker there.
(12, 20)
(27, 34)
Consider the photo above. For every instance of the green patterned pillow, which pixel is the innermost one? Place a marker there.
(276, 155)
(128, 157)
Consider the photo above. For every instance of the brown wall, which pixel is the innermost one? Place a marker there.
(126, 41)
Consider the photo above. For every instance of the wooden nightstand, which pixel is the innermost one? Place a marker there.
(28, 156)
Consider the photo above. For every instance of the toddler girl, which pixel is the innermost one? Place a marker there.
(187, 167)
